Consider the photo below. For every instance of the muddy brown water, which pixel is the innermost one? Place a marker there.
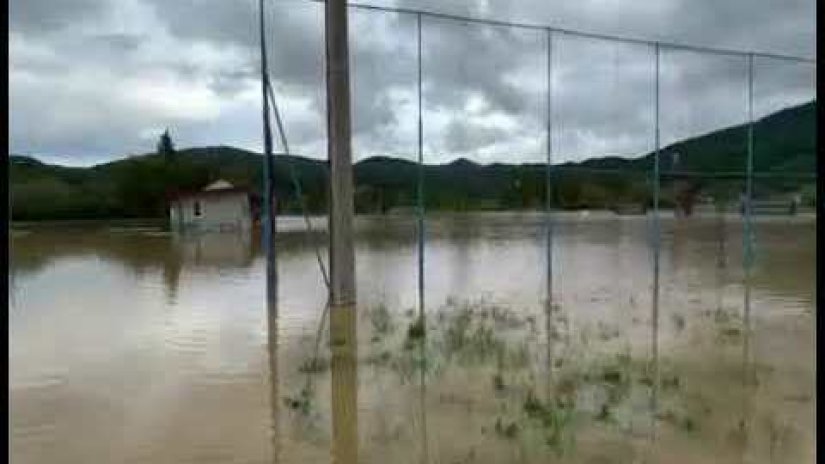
(131, 345)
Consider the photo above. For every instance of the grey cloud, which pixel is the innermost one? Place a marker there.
(601, 101)
(106, 50)
(231, 82)
(48, 16)
(220, 21)
(123, 43)
(460, 60)
(461, 137)
(295, 32)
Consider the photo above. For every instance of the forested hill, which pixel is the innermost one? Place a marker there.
(137, 186)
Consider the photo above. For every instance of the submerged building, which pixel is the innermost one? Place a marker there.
(219, 207)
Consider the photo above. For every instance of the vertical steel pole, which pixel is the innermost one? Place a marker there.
(268, 215)
(548, 218)
(748, 226)
(656, 225)
(341, 251)
(657, 232)
(420, 194)
(547, 170)
(656, 239)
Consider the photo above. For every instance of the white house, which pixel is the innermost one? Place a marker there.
(219, 207)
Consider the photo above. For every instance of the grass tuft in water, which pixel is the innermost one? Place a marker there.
(381, 321)
(456, 335)
(416, 329)
(670, 381)
(498, 383)
(604, 414)
(381, 359)
(555, 417)
(302, 402)
(314, 366)
(509, 430)
(683, 422)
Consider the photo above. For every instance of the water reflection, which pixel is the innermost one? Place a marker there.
(422, 388)
(228, 249)
(748, 372)
(272, 331)
(184, 321)
(344, 384)
(748, 382)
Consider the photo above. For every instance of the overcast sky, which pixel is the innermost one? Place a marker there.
(94, 80)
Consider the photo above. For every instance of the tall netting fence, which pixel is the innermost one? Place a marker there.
(624, 199)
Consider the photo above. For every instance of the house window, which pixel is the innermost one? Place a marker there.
(197, 209)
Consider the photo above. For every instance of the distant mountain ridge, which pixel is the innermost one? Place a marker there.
(784, 142)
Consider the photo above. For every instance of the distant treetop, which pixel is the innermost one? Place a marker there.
(165, 146)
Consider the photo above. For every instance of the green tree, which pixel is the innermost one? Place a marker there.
(165, 146)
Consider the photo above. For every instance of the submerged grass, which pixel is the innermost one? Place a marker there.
(481, 335)
(416, 331)
(300, 402)
(506, 429)
(554, 416)
(381, 321)
(314, 366)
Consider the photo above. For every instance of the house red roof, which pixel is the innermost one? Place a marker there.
(176, 195)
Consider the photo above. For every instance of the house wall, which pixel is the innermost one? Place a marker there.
(229, 211)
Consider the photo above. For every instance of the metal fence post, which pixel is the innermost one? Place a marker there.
(268, 213)
(656, 241)
(548, 168)
(420, 189)
(748, 225)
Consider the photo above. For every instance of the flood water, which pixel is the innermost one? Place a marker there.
(131, 345)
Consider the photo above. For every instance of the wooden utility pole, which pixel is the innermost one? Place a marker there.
(342, 329)
(268, 213)
(341, 250)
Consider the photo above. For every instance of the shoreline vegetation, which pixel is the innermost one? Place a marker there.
(138, 186)
(156, 222)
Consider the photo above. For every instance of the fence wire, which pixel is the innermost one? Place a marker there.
(652, 100)
(643, 83)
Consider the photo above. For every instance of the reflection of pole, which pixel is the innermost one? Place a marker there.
(172, 268)
(268, 215)
(747, 378)
(344, 386)
(654, 395)
(272, 345)
(341, 250)
(12, 280)
(425, 456)
(721, 252)
(420, 194)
